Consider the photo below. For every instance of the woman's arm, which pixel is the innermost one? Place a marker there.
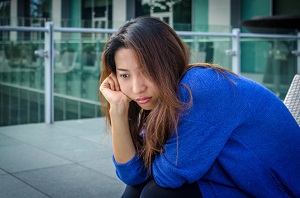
(130, 169)
(203, 129)
(123, 147)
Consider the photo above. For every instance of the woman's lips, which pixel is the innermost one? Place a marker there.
(143, 100)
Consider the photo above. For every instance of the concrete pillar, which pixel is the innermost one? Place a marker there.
(200, 15)
(57, 16)
(119, 15)
(219, 16)
(130, 11)
(219, 19)
(13, 18)
(75, 13)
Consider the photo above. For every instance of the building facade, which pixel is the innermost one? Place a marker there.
(77, 63)
(187, 15)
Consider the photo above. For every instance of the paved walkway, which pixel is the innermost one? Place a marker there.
(66, 159)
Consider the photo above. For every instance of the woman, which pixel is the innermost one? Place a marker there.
(192, 130)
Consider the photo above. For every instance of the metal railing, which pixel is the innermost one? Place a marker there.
(49, 52)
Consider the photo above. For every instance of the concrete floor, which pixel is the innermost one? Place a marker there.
(65, 159)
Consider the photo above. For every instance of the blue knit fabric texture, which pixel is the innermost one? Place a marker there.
(237, 139)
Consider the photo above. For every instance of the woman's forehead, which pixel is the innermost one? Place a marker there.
(125, 58)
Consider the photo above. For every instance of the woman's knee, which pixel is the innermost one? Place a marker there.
(152, 189)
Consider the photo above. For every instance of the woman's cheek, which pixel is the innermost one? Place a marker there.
(124, 87)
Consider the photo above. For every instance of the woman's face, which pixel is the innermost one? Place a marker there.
(133, 81)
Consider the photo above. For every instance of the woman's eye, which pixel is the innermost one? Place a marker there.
(124, 75)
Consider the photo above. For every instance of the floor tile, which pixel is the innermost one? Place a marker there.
(83, 127)
(64, 159)
(2, 172)
(10, 187)
(76, 149)
(73, 181)
(103, 166)
(23, 157)
(72, 148)
(102, 139)
(8, 141)
(34, 134)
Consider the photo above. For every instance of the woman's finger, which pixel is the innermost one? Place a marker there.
(111, 90)
(114, 82)
(111, 83)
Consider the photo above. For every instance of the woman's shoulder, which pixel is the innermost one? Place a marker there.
(210, 82)
(194, 71)
(202, 82)
(206, 76)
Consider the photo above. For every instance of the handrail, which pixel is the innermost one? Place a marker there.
(55, 94)
(48, 52)
(84, 30)
(180, 33)
(255, 35)
(23, 29)
(214, 34)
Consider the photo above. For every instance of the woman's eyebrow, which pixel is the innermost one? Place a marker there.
(121, 69)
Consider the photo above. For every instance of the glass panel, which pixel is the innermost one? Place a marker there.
(269, 62)
(175, 12)
(77, 71)
(76, 79)
(21, 81)
(96, 13)
(4, 18)
(209, 50)
(76, 75)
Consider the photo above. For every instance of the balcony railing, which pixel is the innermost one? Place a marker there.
(61, 82)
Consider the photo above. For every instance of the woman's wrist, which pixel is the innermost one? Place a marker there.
(119, 109)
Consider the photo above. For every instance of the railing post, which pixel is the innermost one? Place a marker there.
(49, 74)
(236, 48)
(298, 57)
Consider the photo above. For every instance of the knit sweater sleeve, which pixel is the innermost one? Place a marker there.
(202, 132)
(132, 172)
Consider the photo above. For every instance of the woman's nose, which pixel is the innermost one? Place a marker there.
(139, 86)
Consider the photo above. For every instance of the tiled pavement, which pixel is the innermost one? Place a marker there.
(65, 159)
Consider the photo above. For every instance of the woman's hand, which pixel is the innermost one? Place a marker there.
(110, 89)
(123, 147)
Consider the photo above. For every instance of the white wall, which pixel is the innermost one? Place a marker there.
(219, 21)
(13, 18)
(218, 15)
(56, 15)
(119, 12)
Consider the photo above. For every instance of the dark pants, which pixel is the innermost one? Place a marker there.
(150, 189)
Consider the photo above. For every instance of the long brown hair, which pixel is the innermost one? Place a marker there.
(165, 58)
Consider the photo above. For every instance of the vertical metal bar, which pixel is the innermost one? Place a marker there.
(28, 107)
(64, 109)
(19, 106)
(1, 105)
(39, 107)
(78, 110)
(10, 104)
(298, 50)
(49, 74)
(276, 66)
(236, 48)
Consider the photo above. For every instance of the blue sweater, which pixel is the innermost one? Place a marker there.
(237, 140)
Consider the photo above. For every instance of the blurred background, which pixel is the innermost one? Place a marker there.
(250, 37)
